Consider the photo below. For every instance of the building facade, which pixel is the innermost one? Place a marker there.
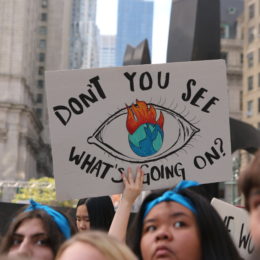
(232, 51)
(90, 36)
(251, 67)
(34, 38)
(107, 52)
(134, 24)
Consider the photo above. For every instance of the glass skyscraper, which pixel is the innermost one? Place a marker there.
(134, 24)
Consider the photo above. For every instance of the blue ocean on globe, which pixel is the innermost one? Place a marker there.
(146, 140)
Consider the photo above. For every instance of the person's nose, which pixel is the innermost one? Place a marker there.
(164, 233)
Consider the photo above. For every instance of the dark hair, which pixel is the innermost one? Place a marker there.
(100, 211)
(55, 236)
(216, 242)
(250, 178)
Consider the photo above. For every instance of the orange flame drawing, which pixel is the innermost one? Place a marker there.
(140, 113)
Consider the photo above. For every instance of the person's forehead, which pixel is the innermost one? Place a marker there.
(82, 210)
(30, 227)
(170, 206)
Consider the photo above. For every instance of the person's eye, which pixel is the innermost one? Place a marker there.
(150, 228)
(16, 242)
(42, 242)
(143, 132)
(179, 224)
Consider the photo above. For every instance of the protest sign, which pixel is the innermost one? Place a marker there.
(170, 119)
(236, 220)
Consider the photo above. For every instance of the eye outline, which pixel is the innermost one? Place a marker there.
(179, 224)
(161, 155)
(150, 228)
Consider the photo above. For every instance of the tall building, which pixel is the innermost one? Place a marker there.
(90, 36)
(34, 38)
(107, 51)
(134, 24)
(19, 126)
(76, 37)
(84, 38)
(232, 52)
(251, 68)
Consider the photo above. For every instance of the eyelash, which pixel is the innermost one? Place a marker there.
(42, 242)
(177, 224)
(16, 242)
(182, 224)
(39, 242)
(150, 228)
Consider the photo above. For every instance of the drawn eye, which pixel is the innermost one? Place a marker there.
(134, 134)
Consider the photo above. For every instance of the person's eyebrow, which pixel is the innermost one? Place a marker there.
(173, 215)
(39, 235)
(17, 235)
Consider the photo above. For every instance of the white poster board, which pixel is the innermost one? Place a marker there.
(171, 119)
(236, 220)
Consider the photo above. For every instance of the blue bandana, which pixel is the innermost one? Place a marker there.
(58, 218)
(172, 195)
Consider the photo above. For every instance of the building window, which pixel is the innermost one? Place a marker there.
(40, 83)
(43, 30)
(250, 59)
(258, 105)
(41, 70)
(38, 112)
(251, 35)
(241, 58)
(39, 98)
(43, 17)
(250, 83)
(44, 3)
(41, 57)
(251, 11)
(250, 108)
(224, 31)
(42, 44)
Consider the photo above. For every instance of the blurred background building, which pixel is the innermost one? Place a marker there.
(134, 24)
(40, 35)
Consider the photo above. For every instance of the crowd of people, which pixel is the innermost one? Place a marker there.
(177, 223)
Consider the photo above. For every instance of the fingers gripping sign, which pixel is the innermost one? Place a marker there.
(133, 187)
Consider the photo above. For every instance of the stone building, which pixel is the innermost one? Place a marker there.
(34, 38)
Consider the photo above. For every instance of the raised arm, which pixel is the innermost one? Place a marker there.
(132, 190)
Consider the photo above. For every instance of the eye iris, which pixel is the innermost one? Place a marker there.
(145, 132)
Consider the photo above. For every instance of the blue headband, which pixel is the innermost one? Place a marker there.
(58, 218)
(172, 195)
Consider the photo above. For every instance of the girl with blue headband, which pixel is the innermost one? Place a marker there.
(37, 233)
(180, 224)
